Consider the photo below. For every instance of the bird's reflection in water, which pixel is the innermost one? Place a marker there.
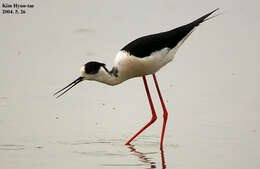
(163, 159)
(146, 160)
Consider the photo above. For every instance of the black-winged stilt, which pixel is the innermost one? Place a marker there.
(141, 57)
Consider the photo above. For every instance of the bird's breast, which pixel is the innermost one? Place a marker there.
(130, 66)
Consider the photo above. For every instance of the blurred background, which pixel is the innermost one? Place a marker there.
(211, 88)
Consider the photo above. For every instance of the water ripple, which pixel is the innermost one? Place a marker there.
(11, 147)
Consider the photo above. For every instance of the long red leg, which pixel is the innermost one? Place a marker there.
(154, 117)
(165, 113)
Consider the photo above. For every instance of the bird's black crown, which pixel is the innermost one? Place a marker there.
(93, 67)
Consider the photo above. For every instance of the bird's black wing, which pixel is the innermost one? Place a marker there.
(146, 45)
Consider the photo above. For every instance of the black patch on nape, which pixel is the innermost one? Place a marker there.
(93, 67)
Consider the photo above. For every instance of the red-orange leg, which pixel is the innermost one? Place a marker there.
(165, 113)
(154, 117)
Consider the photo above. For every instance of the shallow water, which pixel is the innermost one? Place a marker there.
(96, 153)
(211, 89)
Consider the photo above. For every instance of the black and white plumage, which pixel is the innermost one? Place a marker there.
(144, 56)
(141, 57)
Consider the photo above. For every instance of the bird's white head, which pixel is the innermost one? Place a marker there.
(90, 71)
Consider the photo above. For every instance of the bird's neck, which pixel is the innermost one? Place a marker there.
(109, 77)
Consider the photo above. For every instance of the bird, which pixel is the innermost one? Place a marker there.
(141, 57)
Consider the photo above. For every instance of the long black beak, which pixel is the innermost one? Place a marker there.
(68, 87)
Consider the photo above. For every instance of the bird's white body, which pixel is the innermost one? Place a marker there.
(130, 66)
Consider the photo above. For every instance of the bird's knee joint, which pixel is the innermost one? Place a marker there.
(165, 116)
(154, 118)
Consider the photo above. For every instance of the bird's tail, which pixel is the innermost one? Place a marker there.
(205, 18)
